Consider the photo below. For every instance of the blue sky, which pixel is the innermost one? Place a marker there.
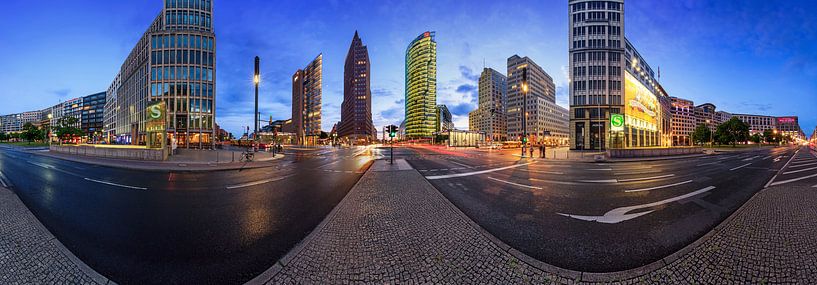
(750, 56)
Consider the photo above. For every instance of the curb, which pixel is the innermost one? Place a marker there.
(615, 276)
(279, 265)
(87, 270)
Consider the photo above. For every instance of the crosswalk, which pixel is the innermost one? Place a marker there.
(800, 170)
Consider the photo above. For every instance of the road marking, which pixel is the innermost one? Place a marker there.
(618, 215)
(765, 158)
(114, 184)
(739, 167)
(554, 182)
(601, 169)
(646, 178)
(815, 186)
(515, 184)
(793, 163)
(710, 163)
(793, 180)
(43, 165)
(801, 165)
(658, 187)
(750, 158)
(3, 180)
(475, 172)
(801, 170)
(599, 181)
(259, 182)
(784, 167)
(546, 172)
(460, 164)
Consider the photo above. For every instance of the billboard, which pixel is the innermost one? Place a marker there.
(640, 104)
(156, 114)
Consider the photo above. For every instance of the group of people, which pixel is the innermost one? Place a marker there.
(542, 150)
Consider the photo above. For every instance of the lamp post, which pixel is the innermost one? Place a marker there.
(256, 80)
(524, 108)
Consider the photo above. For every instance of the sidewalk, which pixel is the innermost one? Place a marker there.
(180, 164)
(394, 227)
(29, 254)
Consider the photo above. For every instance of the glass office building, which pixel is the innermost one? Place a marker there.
(307, 93)
(421, 86)
(174, 62)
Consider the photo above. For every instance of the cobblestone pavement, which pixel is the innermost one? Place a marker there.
(394, 227)
(29, 254)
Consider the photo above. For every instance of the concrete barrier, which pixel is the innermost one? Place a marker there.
(653, 152)
(109, 152)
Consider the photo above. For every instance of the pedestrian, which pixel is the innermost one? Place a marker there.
(531, 150)
(542, 150)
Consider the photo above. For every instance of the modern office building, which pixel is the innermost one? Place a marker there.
(757, 123)
(790, 126)
(173, 64)
(609, 78)
(92, 116)
(421, 86)
(536, 98)
(306, 102)
(445, 122)
(14, 123)
(356, 109)
(683, 121)
(490, 116)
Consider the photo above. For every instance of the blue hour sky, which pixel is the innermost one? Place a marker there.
(751, 56)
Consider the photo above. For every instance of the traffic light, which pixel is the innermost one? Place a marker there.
(392, 131)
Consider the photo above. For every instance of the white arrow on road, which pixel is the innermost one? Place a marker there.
(618, 215)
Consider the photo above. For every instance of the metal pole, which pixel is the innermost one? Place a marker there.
(256, 80)
(524, 107)
(392, 151)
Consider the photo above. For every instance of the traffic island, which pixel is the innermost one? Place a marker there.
(113, 151)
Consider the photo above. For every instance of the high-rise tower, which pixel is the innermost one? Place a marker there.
(174, 63)
(306, 101)
(356, 109)
(421, 86)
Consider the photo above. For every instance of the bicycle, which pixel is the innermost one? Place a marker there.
(247, 156)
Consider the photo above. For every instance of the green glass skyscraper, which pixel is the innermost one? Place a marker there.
(421, 86)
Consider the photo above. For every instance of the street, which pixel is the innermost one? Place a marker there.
(597, 217)
(139, 227)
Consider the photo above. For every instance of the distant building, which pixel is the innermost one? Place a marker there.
(173, 62)
(445, 121)
(14, 123)
(683, 121)
(490, 116)
(306, 102)
(356, 109)
(92, 116)
(421, 86)
(757, 123)
(545, 121)
(790, 126)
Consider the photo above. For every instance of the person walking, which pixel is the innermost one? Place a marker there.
(542, 150)
(531, 150)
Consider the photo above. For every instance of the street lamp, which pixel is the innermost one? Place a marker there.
(524, 108)
(256, 80)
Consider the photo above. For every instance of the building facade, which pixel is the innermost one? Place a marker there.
(790, 126)
(757, 123)
(683, 121)
(174, 63)
(13, 123)
(356, 109)
(421, 86)
(92, 116)
(445, 122)
(490, 116)
(536, 99)
(306, 102)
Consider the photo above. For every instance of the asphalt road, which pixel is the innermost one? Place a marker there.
(597, 217)
(138, 227)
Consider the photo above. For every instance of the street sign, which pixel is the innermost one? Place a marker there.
(617, 122)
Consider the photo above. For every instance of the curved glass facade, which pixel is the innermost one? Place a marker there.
(174, 62)
(421, 86)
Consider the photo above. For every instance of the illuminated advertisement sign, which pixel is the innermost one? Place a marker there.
(616, 122)
(156, 117)
(641, 105)
(786, 120)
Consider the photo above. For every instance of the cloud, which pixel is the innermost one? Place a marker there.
(461, 109)
(466, 88)
(762, 107)
(62, 93)
(467, 73)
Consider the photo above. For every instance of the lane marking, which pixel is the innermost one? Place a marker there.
(476, 172)
(801, 165)
(515, 184)
(793, 180)
(115, 184)
(599, 181)
(710, 163)
(3, 180)
(554, 182)
(781, 169)
(546, 172)
(618, 215)
(646, 178)
(460, 164)
(815, 186)
(600, 169)
(751, 158)
(739, 167)
(798, 171)
(765, 158)
(658, 187)
(793, 163)
(248, 184)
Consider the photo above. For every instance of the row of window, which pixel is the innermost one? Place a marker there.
(188, 18)
(596, 5)
(182, 89)
(181, 41)
(596, 43)
(181, 73)
(596, 70)
(597, 17)
(582, 85)
(182, 57)
(189, 4)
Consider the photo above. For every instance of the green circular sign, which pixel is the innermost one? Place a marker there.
(617, 120)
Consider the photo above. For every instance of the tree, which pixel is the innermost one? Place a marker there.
(701, 135)
(3, 136)
(732, 132)
(769, 136)
(756, 138)
(324, 135)
(67, 128)
(31, 132)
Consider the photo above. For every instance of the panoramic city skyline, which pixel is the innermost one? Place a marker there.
(772, 47)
